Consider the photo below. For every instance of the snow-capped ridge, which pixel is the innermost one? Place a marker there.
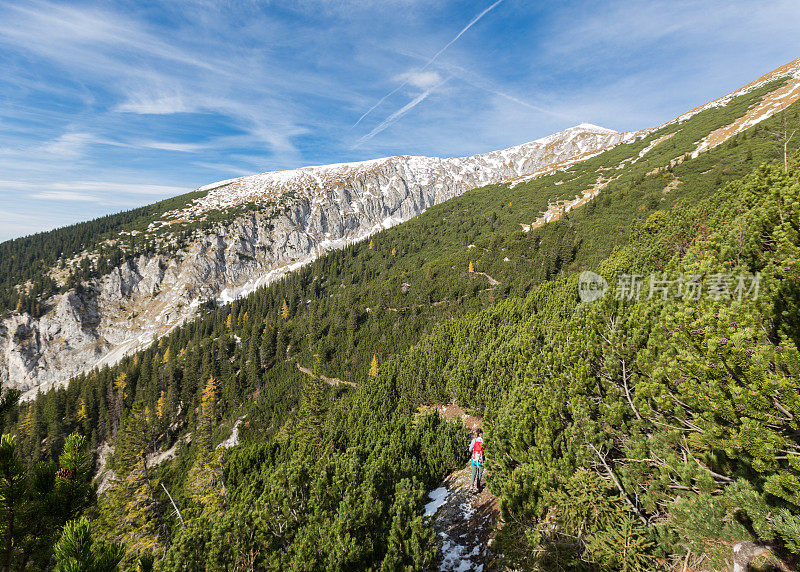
(320, 184)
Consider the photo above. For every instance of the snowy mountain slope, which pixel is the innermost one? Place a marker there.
(327, 182)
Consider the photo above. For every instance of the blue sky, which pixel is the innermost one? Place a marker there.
(110, 105)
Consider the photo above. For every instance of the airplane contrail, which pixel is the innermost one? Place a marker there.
(430, 61)
(394, 117)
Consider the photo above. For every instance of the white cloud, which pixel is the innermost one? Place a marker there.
(179, 147)
(65, 196)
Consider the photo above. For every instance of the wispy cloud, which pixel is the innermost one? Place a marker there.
(421, 79)
(159, 105)
(179, 147)
(65, 196)
(69, 189)
(67, 146)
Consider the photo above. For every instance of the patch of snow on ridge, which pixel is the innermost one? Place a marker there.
(593, 127)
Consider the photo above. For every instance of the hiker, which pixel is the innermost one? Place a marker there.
(476, 460)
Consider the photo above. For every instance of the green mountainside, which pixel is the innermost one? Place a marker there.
(621, 434)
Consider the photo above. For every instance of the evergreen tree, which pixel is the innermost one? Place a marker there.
(12, 483)
(76, 551)
(132, 510)
(411, 544)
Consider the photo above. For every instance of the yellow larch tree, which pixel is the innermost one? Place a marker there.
(373, 368)
(120, 383)
(26, 426)
(161, 405)
(81, 413)
(207, 402)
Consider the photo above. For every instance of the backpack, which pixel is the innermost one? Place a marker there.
(477, 453)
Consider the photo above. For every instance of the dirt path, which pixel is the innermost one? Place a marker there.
(491, 280)
(328, 380)
(465, 522)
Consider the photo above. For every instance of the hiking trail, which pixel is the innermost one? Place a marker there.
(328, 380)
(464, 522)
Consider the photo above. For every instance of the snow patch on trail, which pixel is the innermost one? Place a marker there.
(465, 523)
(438, 498)
(456, 558)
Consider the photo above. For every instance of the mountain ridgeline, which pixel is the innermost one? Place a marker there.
(283, 430)
(150, 269)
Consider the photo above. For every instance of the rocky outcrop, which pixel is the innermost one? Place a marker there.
(312, 210)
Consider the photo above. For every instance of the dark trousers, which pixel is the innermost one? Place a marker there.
(477, 473)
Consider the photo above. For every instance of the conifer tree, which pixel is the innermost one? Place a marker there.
(411, 544)
(12, 482)
(204, 483)
(81, 414)
(76, 550)
(8, 402)
(132, 509)
(51, 498)
(120, 384)
(309, 418)
(28, 423)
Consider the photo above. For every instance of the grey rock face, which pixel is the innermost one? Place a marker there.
(317, 209)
